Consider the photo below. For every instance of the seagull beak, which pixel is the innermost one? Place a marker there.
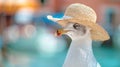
(59, 32)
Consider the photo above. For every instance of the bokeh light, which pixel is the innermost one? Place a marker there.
(49, 45)
(24, 16)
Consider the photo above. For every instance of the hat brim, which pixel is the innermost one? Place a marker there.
(97, 32)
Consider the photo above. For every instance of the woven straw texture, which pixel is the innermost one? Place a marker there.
(86, 16)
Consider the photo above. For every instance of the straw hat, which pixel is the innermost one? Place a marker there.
(82, 14)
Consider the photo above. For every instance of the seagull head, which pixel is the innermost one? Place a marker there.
(74, 30)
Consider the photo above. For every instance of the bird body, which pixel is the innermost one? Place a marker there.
(80, 53)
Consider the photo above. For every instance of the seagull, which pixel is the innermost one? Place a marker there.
(80, 53)
(79, 24)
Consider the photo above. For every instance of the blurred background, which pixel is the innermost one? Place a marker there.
(27, 36)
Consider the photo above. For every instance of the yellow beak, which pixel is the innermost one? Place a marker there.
(59, 32)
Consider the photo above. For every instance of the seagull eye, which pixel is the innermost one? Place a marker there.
(79, 26)
(76, 26)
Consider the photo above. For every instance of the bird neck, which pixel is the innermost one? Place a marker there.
(82, 43)
(80, 53)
